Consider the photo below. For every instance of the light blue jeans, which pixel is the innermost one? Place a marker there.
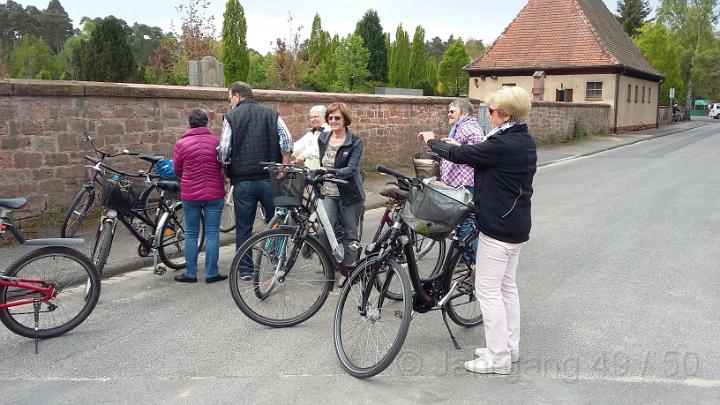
(212, 210)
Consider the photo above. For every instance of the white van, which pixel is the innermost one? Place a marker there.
(714, 110)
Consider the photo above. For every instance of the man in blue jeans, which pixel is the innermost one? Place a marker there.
(251, 134)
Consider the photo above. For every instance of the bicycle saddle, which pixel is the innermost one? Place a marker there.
(151, 159)
(13, 203)
(168, 185)
(394, 192)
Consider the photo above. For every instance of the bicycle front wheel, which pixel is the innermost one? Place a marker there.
(171, 247)
(76, 289)
(78, 211)
(463, 308)
(274, 284)
(103, 243)
(369, 333)
(227, 220)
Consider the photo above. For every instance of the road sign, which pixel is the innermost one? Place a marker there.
(672, 92)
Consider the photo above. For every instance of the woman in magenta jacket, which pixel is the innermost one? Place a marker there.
(201, 189)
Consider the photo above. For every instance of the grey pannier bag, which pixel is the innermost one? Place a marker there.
(436, 209)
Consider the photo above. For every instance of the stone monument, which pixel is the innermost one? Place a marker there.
(207, 72)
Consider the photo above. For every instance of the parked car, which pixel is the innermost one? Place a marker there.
(714, 111)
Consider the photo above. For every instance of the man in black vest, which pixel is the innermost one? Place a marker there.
(252, 133)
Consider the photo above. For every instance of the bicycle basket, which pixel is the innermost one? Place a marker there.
(426, 166)
(287, 191)
(118, 194)
(436, 209)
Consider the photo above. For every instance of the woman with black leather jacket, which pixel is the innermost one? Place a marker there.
(504, 168)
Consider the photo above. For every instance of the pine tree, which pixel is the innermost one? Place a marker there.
(452, 79)
(632, 14)
(106, 56)
(234, 48)
(57, 26)
(371, 32)
(399, 74)
(351, 64)
(417, 71)
(318, 44)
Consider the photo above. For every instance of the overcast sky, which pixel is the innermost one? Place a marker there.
(267, 19)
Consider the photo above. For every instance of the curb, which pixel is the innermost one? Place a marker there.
(611, 147)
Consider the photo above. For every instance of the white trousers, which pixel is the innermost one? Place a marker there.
(496, 290)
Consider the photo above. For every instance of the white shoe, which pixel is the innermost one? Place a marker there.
(481, 366)
(514, 354)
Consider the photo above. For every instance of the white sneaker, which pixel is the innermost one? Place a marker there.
(514, 354)
(481, 366)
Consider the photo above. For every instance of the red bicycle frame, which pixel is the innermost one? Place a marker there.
(46, 290)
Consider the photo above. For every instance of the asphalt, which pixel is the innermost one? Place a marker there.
(124, 258)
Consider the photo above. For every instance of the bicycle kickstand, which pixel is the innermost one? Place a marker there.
(36, 311)
(455, 343)
(157, 269)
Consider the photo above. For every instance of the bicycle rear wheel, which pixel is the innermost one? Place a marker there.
(79, 209)
(171, 246)
(76, 285)
(368, 336)
(103, 243)
(273, 284)
(227, 220)
(463, 307)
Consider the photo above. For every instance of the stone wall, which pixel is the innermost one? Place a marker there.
(42, 125)
(554, 122)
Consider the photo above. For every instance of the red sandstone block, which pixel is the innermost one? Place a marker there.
(67, 142)
(55, 125)
(110, 128)
(51, 186)
(134, 125)
(6, 163)
(43, 173)
(7, 113)
(27, 127)
(27, 159)
(57, 159)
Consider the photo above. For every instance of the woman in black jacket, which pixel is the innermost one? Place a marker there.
(342, 150)
(504, 168)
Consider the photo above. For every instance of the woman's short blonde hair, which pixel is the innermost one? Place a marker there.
(513, 102)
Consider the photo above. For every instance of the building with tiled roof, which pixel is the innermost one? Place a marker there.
(571, 51)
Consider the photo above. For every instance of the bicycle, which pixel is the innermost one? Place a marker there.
(380, 298)
(84, 200)
(157, 224)
(286, 287)
(55, 280)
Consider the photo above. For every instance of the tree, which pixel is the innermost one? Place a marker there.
(352, 61)
(57, 26)
(631, 14)
(417, 71)
(162, 61)
(430, 84)
(452, 79)
(30, 59)
(318, 44)
(475, 48)
(143, 41)
(234, 52)
(106, 56)
(257, 72)
(436, 47)
(371, 32)
(659, 48)
(691, 23)
(197, 29)
(15, 23)
(400, 56)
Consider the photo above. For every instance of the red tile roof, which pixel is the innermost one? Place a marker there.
(563, 34)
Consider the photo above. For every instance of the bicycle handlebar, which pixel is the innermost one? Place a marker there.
(103, 154)
(118, 171)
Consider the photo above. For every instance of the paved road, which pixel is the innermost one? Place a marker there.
(618, 285)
